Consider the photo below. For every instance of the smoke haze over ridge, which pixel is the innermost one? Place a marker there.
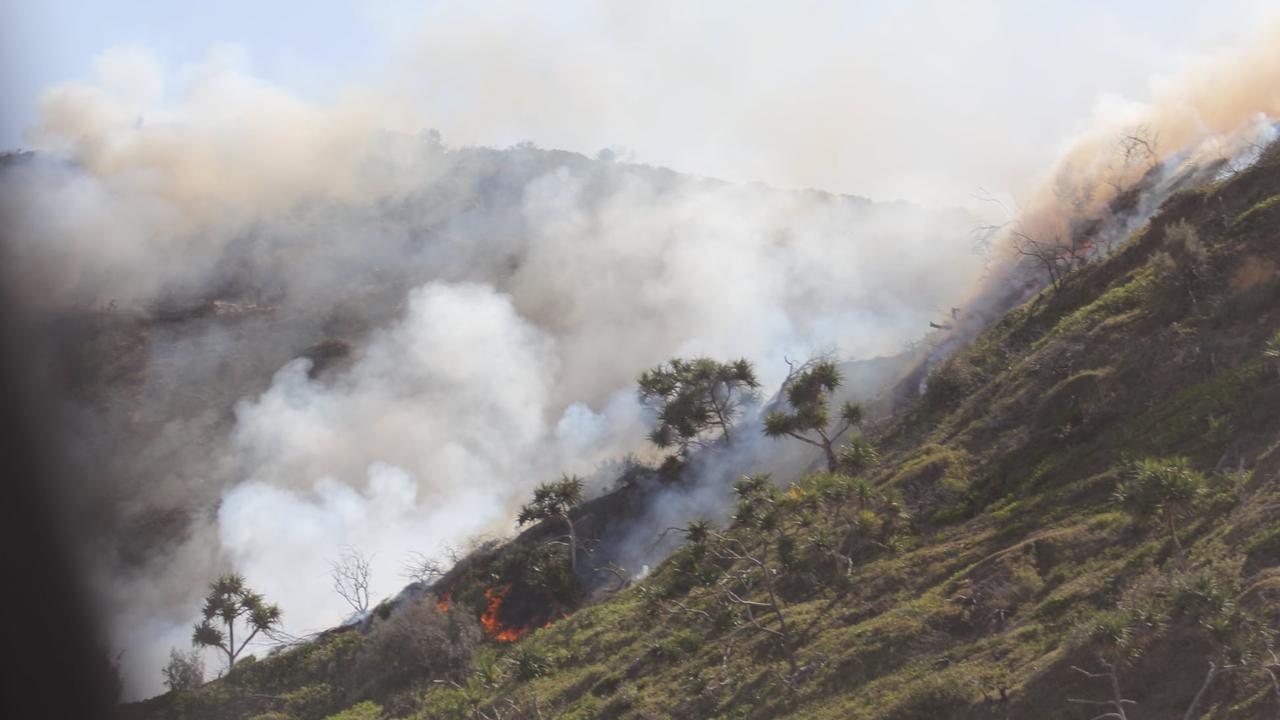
(499, 303)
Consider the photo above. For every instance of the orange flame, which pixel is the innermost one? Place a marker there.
(442, 602)
(489, 618)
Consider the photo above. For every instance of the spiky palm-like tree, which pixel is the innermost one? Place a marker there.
(555, 501)
(229, 605)
(696, 399)
(808, 393)
(1164, 487)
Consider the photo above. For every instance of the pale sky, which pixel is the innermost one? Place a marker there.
(918, 100)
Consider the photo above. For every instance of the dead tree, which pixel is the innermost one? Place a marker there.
(350, 575)
(1215, 669)
(423, 569)
(1137, 147)
(1140, 144)
(1117, 701)
(752, 567)
(1058, 258)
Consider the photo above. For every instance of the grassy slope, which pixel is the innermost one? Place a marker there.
(1017, 563)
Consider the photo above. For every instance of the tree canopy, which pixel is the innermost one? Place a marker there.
(232, 604)
(698, 400)
(555, 501)
(1165, 487)
(808, 393)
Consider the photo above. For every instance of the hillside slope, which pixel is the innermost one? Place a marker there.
(473, 317)
(984, 567)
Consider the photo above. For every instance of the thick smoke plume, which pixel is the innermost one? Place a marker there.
(289, 327)
(1218, 112)
(297, 331)
(1212, 118)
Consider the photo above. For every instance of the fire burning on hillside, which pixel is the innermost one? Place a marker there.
(443, 600)
(489, 618)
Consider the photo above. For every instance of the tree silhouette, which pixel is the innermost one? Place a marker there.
(232, 604)
(350, 575)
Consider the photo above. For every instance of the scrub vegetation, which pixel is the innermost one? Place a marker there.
(1080, 517)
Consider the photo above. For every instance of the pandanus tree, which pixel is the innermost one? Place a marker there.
(1165, 488)
(743, 566)
(697, 400)
(556, 501)
(808, 394)
(231, 606)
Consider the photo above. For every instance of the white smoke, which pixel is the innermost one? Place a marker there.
(499, 305)
(457, 388)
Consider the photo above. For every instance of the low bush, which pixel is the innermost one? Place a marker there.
(417, 641)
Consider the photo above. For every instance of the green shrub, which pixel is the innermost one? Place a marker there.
(936, 696)
(1202, 597)
(1122, 631)
(446, 704)
(1263, 550)
(949, 384)
(383, 609)
(674, 645)
(1166, 488)
(185, 670)
(858, 455)
(932, 482)
(1257, 210)
(528, 662)
(310, 700)
(367, 710)
(549, 570)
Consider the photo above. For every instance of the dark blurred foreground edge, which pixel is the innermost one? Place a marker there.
(54, 662)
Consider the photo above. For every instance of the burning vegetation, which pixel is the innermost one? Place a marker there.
(493, 627)
(511, 612)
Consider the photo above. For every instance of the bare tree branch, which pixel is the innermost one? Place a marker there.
(350, 575)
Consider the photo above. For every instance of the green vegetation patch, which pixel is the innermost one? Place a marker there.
(1257, 212)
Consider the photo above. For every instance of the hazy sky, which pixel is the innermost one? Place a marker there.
(926, 100)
